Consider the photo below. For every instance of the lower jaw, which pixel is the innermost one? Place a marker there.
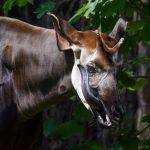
(106, 122)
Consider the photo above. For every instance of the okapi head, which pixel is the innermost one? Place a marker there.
(93, 74)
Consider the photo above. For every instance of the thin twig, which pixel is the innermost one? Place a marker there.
(143, 130)
(140, 76)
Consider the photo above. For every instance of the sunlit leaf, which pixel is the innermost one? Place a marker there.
(90, 8)
(138, 84)
(86, 10)
(21, 3)
(8, 6)
(135, 26)
(79, 13)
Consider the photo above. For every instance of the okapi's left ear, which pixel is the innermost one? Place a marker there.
(112, 42)
(64, 32)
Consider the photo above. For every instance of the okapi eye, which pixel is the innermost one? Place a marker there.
(91, 69)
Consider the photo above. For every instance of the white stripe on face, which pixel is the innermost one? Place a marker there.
(76, 81)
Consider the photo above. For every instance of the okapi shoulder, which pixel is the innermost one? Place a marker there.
(19, 25)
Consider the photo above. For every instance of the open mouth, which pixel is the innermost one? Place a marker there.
(97, 107)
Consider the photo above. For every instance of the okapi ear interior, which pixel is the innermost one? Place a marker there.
(112, 43)
(64, 32)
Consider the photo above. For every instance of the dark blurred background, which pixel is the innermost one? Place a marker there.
(69, 126)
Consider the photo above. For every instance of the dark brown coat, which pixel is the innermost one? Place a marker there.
(33, 75)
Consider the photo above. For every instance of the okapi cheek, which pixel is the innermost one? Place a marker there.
(108, 95)
(105, 84)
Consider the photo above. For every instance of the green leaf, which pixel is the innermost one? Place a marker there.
(133, 140)
(146, 32)
(125, 78)
(110, 7)
(146, 119)
(145, 144)
(8, 6)
(107, 24)
(79, 13)
(90, 8)
(50, 126)
(73, 98)
(127, 10)
(65, 130)
(140, 60)
(116, 146)
(130, 43)
(82, 114)
(96, 147)
(69, 129)
(135, 26)
(86, 10)
(30, 1)
(138, 84)
(147, 10)
(45, 7)
(21, 3)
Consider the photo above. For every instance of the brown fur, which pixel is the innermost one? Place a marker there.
(32, 74)
(35, 73)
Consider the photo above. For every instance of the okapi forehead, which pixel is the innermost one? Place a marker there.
(88, 41)
(94, 49)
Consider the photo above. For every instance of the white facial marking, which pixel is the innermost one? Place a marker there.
(76, 81)
(76, 76)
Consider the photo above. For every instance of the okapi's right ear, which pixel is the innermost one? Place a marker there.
(64, 32)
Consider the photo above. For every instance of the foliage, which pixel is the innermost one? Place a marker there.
(103, 14)
(71, 128)
(45, 7)
(8, 5)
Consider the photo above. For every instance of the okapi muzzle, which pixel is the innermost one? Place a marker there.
(93, 74)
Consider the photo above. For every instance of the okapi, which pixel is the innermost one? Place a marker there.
(36, 69)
